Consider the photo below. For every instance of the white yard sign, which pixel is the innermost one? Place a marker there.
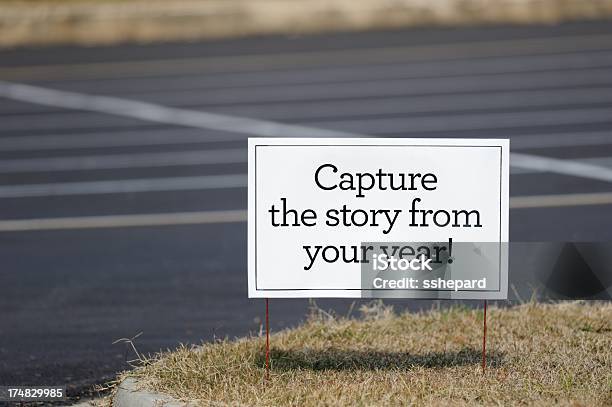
(402, 218)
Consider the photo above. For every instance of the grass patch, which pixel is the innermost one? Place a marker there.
(539, 354)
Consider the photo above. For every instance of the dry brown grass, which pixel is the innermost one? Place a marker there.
(539, 355)
(39, 22)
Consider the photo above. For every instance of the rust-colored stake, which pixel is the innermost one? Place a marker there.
(484, 339)
(267, 342)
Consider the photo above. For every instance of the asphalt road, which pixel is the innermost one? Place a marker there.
(70, 288)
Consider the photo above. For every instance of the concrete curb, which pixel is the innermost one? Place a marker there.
(110, 21)
(129, 395)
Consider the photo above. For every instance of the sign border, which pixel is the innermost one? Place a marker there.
(254, 143)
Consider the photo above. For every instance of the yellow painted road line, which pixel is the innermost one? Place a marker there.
(120, 221)
(240, 215)
(550, 201)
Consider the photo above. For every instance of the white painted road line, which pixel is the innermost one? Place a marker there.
(567, 167)
(254, 127)
(381, 88)
(125, 186)
(419, 107)
(548, 201)
(118, 221)
(425, 104)
(139, 160)
(157, 113)
(573, 139)
(472, 121)
(154, 137)
(603, 162)
(594, 168)
(148, 137)
(521, 163)
(232, 216)
(184, 158)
